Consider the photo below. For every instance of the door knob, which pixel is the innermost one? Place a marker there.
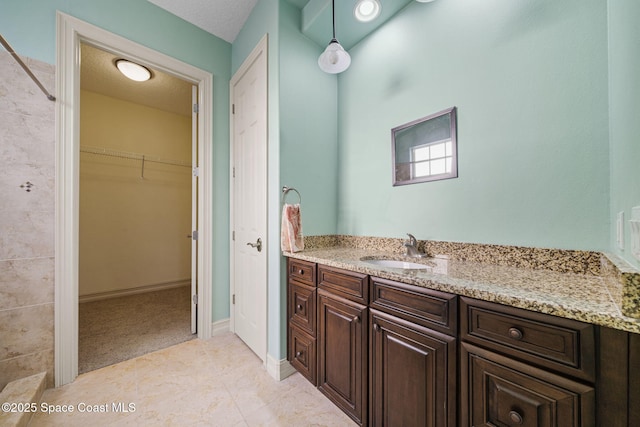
(257, 244)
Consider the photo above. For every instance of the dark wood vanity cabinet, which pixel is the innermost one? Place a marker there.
(412, 374)
(500, 391)
(342, 340)
(301, 317)
(412, 366)
(392, 354)
(520, 368)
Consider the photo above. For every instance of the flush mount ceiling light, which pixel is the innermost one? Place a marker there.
(334, 59)
(367, 10)
(133, 71)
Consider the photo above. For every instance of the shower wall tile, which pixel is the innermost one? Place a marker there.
(31, 364)
(27, 218)
(26, 330)
(19, 94)
(27, 187)
(26, 282)
(27, 140)
(26, 234)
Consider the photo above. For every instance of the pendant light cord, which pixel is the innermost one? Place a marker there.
(333, 14)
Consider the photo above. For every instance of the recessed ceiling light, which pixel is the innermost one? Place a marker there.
(133, 71)
(367, 10)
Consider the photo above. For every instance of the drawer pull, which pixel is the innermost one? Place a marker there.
(515, 417)
(301, 271)
(515, 333)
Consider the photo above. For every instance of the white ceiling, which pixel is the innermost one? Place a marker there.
(222, 18)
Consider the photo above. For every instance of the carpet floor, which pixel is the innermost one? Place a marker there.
(122, 328)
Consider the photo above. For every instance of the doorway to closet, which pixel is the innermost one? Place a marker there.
(137, 212)
(70, 33)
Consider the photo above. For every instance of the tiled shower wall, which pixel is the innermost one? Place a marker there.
(27, 194)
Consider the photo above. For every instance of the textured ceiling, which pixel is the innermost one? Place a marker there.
(222, 18)
(98, 73)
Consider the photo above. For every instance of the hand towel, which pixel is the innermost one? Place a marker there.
(291, 232)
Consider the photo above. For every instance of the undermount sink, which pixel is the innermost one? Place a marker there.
(394, 263)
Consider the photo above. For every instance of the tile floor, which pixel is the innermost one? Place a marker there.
(217, 382)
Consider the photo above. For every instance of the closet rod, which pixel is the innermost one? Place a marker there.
(24, 66)
(131, 156)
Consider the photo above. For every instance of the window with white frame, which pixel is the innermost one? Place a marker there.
(431, 159)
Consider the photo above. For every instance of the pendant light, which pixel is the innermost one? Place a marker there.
(334, 59)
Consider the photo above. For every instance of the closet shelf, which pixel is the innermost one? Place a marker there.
(132, 156)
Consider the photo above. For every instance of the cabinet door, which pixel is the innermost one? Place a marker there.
(342, 355)
(413, 374)
(498, 391)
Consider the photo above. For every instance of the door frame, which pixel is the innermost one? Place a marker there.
(70, 33)
(260, 49)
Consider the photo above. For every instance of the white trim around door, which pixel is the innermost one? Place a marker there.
(70, 33)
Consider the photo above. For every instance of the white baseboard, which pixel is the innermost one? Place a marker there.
(279, 369)
(134, 291)
(220, 327)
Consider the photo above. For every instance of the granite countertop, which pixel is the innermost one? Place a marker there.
(580, 296)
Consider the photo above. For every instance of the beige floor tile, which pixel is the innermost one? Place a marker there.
(218, 382)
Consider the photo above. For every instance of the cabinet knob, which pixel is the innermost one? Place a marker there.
(515, 333)
(356, 319)
(376, 327)
(515, 417)
(298, 354)
(299, 307)
(301, 271)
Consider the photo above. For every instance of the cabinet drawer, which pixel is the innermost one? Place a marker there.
(301, 271)
(302, 353)
(499, 391)
(347, 284)
(302, 307)
(429, 308)
(564, 345)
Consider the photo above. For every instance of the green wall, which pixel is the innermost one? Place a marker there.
(302, 139)
(529, 79)
(624, 114)
(308, 126)
(30, 27)
(308, 133)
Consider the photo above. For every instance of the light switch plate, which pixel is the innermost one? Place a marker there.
(620, 230)
(634, 223)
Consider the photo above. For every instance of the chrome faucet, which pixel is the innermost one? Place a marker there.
(412, 248)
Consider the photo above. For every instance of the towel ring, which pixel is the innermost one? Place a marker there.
(285, 191)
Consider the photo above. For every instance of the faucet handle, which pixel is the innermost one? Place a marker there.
(412, 240)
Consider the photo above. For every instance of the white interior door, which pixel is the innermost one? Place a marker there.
(194, 210)
(249, 186)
